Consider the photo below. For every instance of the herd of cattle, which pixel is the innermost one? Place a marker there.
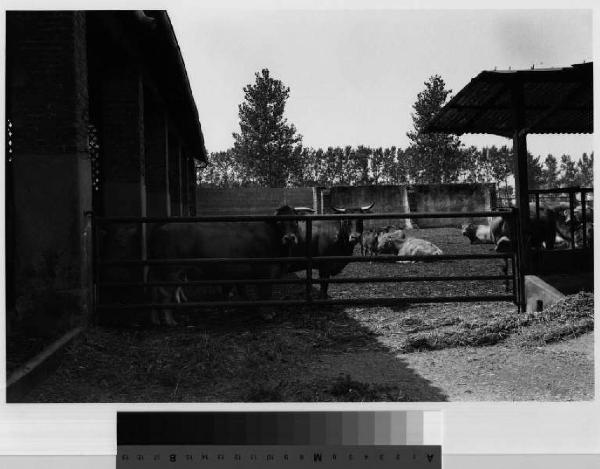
(550, 227)
(288, 238)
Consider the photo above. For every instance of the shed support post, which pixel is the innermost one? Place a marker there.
(174, 181)
(124, 169)
(157, 160)
(521, 181)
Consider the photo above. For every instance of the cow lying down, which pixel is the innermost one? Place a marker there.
(497, 232)
(370, 239)
(396, 242)
(546, 231)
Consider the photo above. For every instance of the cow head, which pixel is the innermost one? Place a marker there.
(388, 243)
(589, 230)
(387, 229)
(470, 231)
(352, 228)
(504, 244)
(578, 218)
(288, 228)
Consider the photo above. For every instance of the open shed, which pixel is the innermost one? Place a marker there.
(513, 104)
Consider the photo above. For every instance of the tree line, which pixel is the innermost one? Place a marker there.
(268, 152)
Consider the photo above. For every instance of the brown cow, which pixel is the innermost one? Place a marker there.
(218, 240)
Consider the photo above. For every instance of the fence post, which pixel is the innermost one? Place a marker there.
(95, 266)
(518, 261)
(144, 256)
(308, 259)
(572, 213)
(584, 217)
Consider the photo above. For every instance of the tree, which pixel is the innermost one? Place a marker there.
(264, 147)
(568, 171)
(361, 164)
(399, 171)
(535, 178)
(221, 171)
(500, 162)
(585, 168)
(550, 173)
(389, 165)
(436, 158)
(377, 161)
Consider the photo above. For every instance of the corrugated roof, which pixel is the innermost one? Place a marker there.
(556, 100)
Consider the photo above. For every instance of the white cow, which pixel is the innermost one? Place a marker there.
(396, 242)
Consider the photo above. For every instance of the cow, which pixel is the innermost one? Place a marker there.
(542, 231)
(369, 239)
(369, 242)
(577, 223)
(329, 238)
(564, 223)
(578, 212)
(498, 232)
(477, 234)
(218, 240)
(396, 242)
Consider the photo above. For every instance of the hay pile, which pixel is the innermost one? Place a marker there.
(569, 318)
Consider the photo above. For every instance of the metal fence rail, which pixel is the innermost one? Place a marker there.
(308, 259)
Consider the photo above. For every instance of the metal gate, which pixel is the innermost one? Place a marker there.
(141, 264)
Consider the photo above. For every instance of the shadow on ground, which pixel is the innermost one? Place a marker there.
(234, 356)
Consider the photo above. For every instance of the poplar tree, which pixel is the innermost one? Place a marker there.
(265, 145)
(433, 157)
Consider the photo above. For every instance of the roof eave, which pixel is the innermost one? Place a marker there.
(199, 147)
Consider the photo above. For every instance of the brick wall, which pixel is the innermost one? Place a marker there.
(46, 62)
(47, 102)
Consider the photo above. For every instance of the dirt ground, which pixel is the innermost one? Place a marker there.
(425, 352)
(561, 371)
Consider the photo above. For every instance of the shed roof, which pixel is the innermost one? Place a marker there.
(555, 100)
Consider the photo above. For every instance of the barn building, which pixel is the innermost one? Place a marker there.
(100, 118)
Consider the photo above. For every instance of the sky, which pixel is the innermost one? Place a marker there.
(355, 74)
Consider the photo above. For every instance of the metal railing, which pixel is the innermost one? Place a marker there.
(568, 194)
(511, 275)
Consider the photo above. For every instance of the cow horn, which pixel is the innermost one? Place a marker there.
(339, 210)
(367, 207)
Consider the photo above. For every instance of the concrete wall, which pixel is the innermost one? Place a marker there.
(387, 199)
(51, 189)
(251, 200)
(451, 198)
